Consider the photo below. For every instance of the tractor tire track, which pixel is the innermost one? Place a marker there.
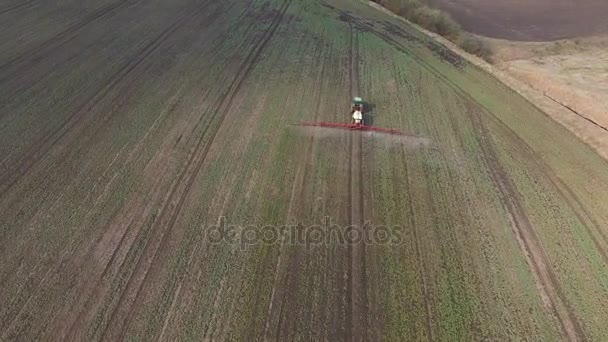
(357, 287)
(423, 269)
(570, 326)
(65, 325)
(583, 215)
(84, 136)
(349, 271)
(284, 292)
(176, 198)
(424, 272)
(25, 4)
(287, 292)
(44, 145)
(63, 260)
(70, 253)
(310, 157)
(30, 57)
(86, 289)
(38, 217)
(524, 232)
(288, 260)
(175, 296)
(540, 266)
(566, 193)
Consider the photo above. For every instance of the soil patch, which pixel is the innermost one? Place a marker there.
(540, 20)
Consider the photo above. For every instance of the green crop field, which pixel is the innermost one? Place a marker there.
(155, 183)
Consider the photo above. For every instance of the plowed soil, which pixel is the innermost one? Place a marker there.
(133, 133)
(523, 20)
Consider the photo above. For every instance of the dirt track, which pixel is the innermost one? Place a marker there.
(358, 303)
(523, 20)
(126, 143)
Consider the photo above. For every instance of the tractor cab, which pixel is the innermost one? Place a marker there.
(358, 104)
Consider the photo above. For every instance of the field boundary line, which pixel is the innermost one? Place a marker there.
(570, 109)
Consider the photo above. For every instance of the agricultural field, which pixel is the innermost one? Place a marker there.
(522, 20)
(153, 178)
